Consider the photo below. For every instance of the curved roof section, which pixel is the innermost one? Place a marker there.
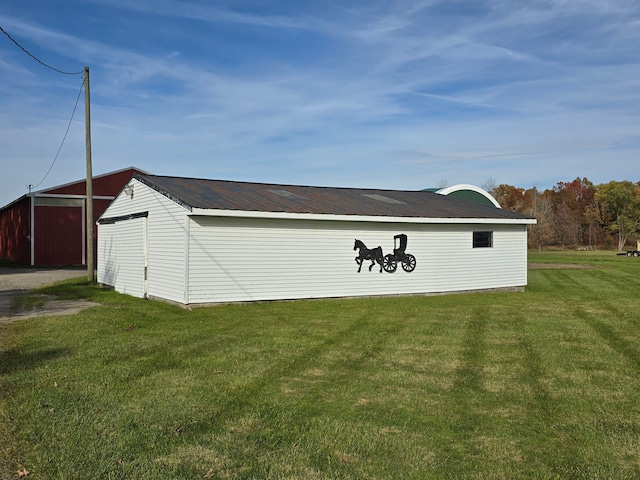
(465, 191)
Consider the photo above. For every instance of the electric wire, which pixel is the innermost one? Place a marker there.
(37, 59)
(74, 107)
(63, 139)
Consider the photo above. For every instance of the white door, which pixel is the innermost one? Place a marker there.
(131, 254)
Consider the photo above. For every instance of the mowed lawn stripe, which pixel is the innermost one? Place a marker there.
(540, 384)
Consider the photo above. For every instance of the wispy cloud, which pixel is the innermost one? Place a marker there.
(389, 94)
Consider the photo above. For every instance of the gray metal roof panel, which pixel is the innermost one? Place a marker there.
(263, 197)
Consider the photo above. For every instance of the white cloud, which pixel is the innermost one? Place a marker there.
(397, 94)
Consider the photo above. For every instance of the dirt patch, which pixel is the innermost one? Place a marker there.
(17, 282)
(559, 266)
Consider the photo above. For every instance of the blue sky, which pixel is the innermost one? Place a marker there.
(401, 94)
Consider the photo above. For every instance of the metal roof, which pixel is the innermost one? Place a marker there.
(196, 193)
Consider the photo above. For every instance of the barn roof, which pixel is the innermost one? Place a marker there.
(206, 194)
(466, 192)
(107, 184)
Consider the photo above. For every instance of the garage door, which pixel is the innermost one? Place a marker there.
(122, 255)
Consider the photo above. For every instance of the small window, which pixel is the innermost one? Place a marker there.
(482, 239)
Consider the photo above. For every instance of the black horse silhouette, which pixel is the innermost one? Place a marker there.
(375, 255)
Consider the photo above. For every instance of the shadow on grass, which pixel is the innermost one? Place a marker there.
(15, 359)
(621, 345)
(72, 289)
(469, 374)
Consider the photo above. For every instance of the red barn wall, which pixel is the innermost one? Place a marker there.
(15, 219)
(58, 235)
(58, 229)
(104, 185)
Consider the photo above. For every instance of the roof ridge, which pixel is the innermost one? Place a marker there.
(269, 184)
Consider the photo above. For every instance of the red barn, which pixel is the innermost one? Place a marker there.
(48, 227)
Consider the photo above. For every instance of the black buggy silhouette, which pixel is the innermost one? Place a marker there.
(390, 261)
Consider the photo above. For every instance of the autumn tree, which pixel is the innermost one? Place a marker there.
(566, 224)
(489, 185)
(571, 202)
(509, 197)
(620, 202)
(539, 205)
(594, 232)
(576, 212)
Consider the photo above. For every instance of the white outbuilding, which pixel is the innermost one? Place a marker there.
(197, 241)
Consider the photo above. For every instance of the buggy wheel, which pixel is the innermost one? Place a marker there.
(635, 254)
(629, 254)
(409, 263)
(389, 263)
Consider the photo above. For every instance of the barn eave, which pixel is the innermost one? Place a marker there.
(207, 212)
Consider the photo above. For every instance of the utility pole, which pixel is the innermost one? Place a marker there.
(90, 223)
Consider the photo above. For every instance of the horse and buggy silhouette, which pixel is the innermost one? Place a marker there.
(388, 262)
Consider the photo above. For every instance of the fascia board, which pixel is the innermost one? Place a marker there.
(205, 212)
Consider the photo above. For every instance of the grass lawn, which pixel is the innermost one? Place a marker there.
(540, 384)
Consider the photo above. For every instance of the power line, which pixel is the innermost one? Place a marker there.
(74, 107)
(37, 59)
(63, 139)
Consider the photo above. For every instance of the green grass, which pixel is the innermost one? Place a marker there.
(540, 384)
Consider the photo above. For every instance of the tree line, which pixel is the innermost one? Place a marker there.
(577, 214)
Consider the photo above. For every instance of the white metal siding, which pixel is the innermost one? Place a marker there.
(166, 249)
(107, 262)
(202, 259)
(166, 239)
(121, 256)
(235, 259)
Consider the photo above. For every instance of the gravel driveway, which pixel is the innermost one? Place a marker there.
(18, 281)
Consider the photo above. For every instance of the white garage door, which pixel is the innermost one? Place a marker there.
(122, 253)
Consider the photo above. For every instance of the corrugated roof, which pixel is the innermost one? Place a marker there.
(263, 197)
